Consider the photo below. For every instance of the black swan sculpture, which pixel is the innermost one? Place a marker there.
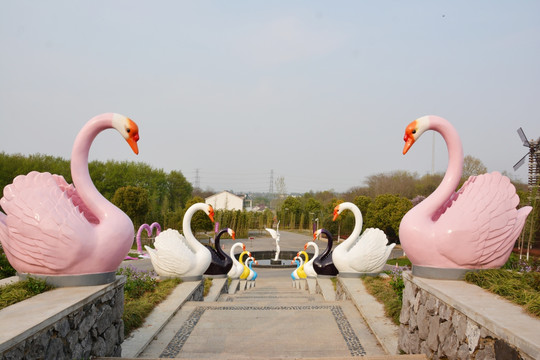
(221, 262)
(323, 264)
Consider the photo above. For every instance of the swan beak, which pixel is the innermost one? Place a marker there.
(409, 136)
(314, 236)
(336, 213)
(211, 212)
(233, 235)
(243, 247)
(133, 137)
(305, 247)
(409, 141)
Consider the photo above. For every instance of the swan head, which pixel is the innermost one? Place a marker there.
(128, 129)
(413, 132)
(232, 234)
(210, 212)
(337, 211)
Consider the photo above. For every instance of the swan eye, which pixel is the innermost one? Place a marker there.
(414, 131)
(128, 130)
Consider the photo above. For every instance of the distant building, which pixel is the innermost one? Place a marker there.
(229, 201)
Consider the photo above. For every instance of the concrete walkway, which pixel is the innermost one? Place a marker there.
(270, 320)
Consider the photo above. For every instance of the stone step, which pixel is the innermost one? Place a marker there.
(260, 329)
(234, 357)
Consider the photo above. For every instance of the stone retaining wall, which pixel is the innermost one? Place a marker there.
(94, 328)
(437, 329)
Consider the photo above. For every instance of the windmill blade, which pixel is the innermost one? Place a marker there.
(523, 137)
(520, 162)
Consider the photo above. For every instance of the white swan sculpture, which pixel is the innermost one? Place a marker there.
(308, 266)
(360, 254)
(275, 236)
(181, 256)
(237, 267)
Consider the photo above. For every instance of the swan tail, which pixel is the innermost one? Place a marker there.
(371, 251)
(43, 227)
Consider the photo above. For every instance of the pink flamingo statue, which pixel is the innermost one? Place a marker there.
(473, 228)
(149, 230)
(53, 228)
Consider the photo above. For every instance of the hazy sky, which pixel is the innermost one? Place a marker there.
(318, 91)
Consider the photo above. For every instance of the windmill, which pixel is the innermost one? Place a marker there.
(534, 177)
(534, 158)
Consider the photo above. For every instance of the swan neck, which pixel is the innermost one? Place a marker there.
(359, 221)
(186, 225)
(86, 189)
(329, 243)
(236, 245)
(217, 245)
(454, 170)
(316, 249)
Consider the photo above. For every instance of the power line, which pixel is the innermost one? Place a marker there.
(271, 187)
(197, 179)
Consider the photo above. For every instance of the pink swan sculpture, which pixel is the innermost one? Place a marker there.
(53, 228)
(149, 230)
(473, 228)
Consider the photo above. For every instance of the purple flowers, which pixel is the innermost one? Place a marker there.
(137, 281)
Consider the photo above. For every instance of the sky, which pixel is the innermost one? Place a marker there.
(242, 92)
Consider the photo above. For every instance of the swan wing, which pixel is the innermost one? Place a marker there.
(172, 253)
(480, 223)
(45, 225)
(371, 251)
(272, 232)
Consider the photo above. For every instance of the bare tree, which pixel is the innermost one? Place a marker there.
(472, 166)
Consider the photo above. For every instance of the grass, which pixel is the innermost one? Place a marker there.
(383, 291)
(334, 282)
(21, 290)
(142, 292)
(400, 261)
(6, 270)
(207, 286)
(521, 288)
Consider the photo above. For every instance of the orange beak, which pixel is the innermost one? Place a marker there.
(133, 136)
(336, 213)
(409, 138)
(211, 212)
(233, 235)
(305, 247)
(244, 248)
(314, 236)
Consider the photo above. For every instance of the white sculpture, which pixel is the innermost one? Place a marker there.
(308, 266)
(179, 256)
(237, 267)
(275, 236)
(360, 254)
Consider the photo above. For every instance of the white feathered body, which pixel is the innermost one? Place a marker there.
(368, 254)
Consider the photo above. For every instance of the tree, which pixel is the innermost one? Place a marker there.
(472, 166)
(179, 189)
(133, 201)
(400, 183)
(427, 184)
(386, 212)
(363, 203)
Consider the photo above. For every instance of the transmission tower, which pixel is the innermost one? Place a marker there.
(271, 187)
(197, 179)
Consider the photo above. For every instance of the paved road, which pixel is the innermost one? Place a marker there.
(271, 320)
